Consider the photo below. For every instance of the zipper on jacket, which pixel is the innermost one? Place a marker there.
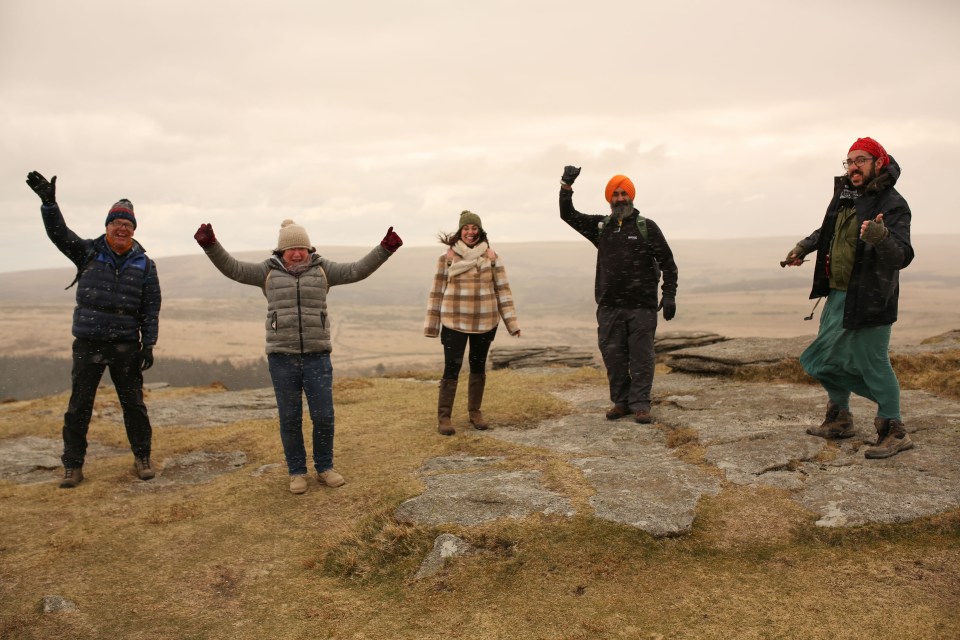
(299, 315)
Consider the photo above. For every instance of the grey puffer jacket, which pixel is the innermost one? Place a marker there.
(297, 320)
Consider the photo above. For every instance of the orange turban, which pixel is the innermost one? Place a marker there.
(620, 181)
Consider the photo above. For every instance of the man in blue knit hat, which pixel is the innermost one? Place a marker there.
(115, 325)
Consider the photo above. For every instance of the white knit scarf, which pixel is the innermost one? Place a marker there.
(471, 257)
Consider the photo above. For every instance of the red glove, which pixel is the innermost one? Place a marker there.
(391, 242)
(204, 236)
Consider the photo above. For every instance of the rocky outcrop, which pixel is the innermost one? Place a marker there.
(727, 356)
(553, 356)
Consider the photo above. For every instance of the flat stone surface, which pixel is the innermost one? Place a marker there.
(474, 498)
(656, 493)
(30, 459)
(204, 409)
(754, 434)
(196, 467)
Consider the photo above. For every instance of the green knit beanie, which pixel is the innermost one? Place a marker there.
(469, 217)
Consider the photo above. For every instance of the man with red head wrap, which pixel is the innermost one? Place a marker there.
(862, 244)
(632, 254)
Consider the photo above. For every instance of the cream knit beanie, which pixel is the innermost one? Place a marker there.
(292, 236)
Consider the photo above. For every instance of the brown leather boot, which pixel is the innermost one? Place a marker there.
(475, 399)
(838, 423)
(892, 438)
(448, 393)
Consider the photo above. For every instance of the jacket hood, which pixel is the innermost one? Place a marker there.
(886, 179)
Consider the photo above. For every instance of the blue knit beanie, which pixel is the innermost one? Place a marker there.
(123, 208)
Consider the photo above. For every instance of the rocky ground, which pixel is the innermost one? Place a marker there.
(749, 434)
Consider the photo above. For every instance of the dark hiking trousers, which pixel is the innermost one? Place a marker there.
(626, 337)
(90, 358)
(455, 344)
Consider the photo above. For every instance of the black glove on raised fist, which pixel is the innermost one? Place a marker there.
(46, 189)
(570, 174)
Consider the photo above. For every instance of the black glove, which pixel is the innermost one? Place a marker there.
(669, 306)
(47, 190)
(204, 236)
(146, 358)
(570, 174)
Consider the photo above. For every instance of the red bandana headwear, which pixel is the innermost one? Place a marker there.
(872, 147)
(620, 181)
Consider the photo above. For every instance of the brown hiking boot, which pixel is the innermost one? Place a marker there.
(475, 400)
(642, 417)
(143, 469)
(331, 478)
(838, 423)
(616, 412)
(71, 478)
(892, 438)
(448, 393)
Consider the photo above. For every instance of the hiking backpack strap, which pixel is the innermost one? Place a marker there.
(641, 226)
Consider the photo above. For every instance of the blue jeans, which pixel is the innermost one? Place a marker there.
(293, 375)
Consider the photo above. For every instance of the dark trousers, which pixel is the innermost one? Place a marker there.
(455, 344)
(626, 337)
(90, 358)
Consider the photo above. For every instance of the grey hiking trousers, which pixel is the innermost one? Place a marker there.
(626, 337)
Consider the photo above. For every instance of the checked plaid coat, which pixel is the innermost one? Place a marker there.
(471, 302)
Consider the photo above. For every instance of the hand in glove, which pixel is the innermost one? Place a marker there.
(391, 242)
(794, 257)
(204, 236)
(570, 174)
(873, 231)
(47, 190)
(669, 306)
(146, 358)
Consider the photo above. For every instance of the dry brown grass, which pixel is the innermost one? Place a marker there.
(242, 558)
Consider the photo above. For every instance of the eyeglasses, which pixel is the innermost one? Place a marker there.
(859, 161)
(121, 224)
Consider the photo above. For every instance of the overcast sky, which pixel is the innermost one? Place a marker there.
(730, 117)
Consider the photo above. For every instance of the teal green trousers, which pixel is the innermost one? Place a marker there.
(856, 361)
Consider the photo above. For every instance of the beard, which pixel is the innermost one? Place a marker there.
(622, 209)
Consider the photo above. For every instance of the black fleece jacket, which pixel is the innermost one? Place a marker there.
(874, 289)
(628, 267)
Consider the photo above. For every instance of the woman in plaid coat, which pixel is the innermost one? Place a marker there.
(469, 296)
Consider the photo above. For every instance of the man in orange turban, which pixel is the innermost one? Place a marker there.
(632, 255)
(862, 244)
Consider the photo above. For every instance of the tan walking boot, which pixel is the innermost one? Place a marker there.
(838, 423)
(475, 399)
(448, 392)
(892, 438)
(298, 484)
(331, 478)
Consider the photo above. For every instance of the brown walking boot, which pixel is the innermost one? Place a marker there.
(616, 412)
(474, 399)
(838, 423)
(71, 477)
(892, 438)
(448, 392)
(142, 468)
